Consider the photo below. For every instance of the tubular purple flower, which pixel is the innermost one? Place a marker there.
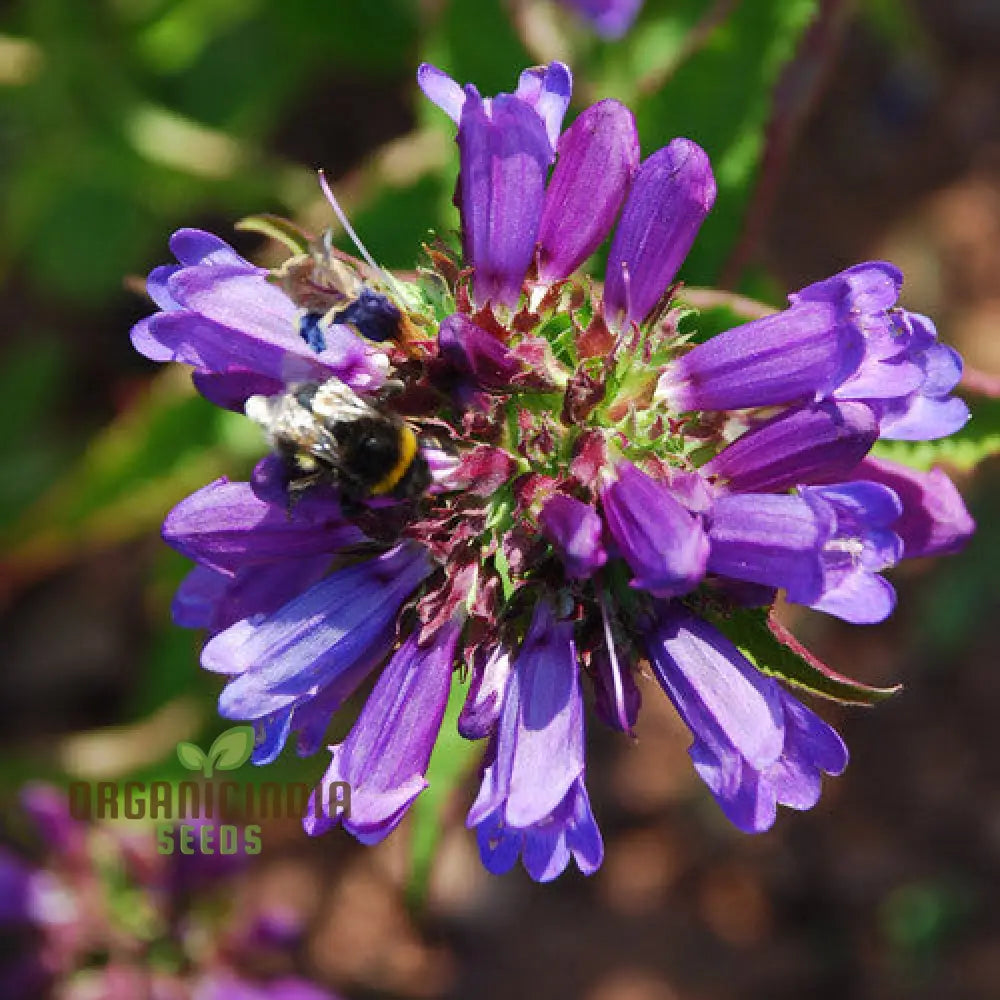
(345, 621)
(793, 356)
(237, 330)
(476, 354)
(545, 89)
(598, 156)
(672, 193)
(490, 671)
(616, 698)
(841, 337)
(225, 526)
(533, 800)
(825, 547)
(818, 443)
(611, 19)
(930, 411)
(386, 753)
(755, 746)
(661, 540)
(935, 520)
(504, 157)
(213, 600)
(575, 530)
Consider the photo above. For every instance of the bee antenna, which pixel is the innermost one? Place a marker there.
(324, 185)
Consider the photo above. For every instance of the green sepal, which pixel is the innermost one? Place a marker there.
(276, 228)
(774, 651)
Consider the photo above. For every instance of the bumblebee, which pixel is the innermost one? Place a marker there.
(327, 433)
(330, 291)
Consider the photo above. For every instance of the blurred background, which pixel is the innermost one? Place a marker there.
(839, 132)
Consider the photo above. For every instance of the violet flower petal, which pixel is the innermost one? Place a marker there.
(935, 520)
(195, 247)
(504, 157)
(598, 156)
(490, 672)
(234, 324)
(663, 543)
(213, 600)
(672, 193)
(442, 90)
(817, 443)
(575, 530)
(319, 635)
(714, 687)
(226, 526)
(548, 90)
(387, 751)
(685, 652)
(611, 19)
(540, 735)
(864, 544)
(533, 800)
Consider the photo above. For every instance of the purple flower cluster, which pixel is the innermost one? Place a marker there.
(56, 915)
(600, 492)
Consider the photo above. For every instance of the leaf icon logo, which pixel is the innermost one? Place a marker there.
(230, 750)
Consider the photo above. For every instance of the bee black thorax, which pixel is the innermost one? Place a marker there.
(325, 432)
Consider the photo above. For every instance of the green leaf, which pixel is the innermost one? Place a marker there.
(232, 748)
(170, 443)
(770, 647)
(451, 760)
(191, 756)
(977, 441)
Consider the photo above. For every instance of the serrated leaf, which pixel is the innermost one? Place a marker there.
(770, 647)
(232, 748)
(976, 442)
(276, 228)
(191, 756)
(451, 760)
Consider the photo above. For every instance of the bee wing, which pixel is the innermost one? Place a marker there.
(337, 402)
(291, 427)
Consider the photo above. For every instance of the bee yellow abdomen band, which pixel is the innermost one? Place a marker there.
(407, 452)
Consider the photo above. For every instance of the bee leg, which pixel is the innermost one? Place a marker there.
(389, 388)
(296, 489)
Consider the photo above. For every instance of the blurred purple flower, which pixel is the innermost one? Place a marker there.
(610, 18)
